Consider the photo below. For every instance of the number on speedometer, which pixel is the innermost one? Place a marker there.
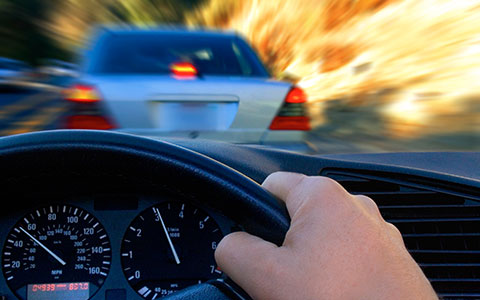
(56, 252)
(168, 247)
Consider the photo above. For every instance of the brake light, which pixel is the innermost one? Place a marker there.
(88, 122)
(183, 70)
(296, 95)
(290, 123)
(82, 93)
(293, 113)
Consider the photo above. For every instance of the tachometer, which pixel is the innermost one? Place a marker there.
(168, 247)
(56, 252)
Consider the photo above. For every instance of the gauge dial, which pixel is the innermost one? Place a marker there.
(55, 252)
(168, 247)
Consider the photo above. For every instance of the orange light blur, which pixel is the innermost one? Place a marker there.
(82, 94)
(417, 60)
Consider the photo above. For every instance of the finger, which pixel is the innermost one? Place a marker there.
(247, 260)
(298, 189)
(284, 184)
(281, 183)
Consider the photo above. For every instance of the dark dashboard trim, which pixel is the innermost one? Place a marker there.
(258, 163)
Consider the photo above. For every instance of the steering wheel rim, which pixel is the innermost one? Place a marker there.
(86, 152)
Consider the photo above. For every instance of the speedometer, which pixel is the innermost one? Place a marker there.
(56, 252)
(170, 246)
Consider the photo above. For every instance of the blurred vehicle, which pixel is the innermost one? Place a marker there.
(57, 72)
(185, 83)
(58, 68)
(13, 72)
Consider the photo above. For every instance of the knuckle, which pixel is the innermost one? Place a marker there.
(311, 188)
(394, 230)
(329, 183)
(320, 183)
(369, 203)
(302, 185)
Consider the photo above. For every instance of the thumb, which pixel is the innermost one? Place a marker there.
(248, 260)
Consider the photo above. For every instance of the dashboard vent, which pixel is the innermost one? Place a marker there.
(440, 224)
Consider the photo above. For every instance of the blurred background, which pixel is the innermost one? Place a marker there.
(380, 75)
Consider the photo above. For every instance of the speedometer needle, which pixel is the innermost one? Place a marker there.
(44, 248)
(177, 260)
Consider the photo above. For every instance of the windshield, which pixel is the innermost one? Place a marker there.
(317, 78)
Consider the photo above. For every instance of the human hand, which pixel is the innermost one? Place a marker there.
(338, 247)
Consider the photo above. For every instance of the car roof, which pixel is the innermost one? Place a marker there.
(177, 31)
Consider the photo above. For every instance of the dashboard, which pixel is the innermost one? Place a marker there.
(126, 245)
(105, 225)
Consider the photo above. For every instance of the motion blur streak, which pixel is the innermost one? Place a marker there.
(416, 59)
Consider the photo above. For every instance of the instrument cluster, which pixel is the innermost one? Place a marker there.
(92, 247)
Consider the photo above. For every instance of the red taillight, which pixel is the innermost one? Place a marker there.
(82, 93)
(88, 122)
(291, 123)
(183, 70)
(292, 115)
(296, 95)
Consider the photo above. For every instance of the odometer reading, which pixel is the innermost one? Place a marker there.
(168, 247)
(58, 247)
(60, 291)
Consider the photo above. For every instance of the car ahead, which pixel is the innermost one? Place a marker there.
(57, 72)
(101, 215)
(13, 72)
(184, 83)
(58, 68)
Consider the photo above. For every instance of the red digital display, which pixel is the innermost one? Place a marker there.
(51, 287)
(53, 291)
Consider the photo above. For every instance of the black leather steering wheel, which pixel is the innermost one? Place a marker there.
(55, 158)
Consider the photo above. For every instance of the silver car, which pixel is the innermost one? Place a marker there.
(185, 83)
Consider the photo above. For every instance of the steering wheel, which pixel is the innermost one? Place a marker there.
(53, 158)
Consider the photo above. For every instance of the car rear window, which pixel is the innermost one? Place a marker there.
(154, 53)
